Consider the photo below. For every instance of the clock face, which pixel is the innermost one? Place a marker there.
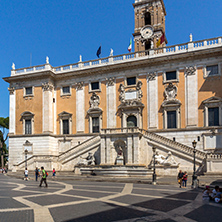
(146, 32)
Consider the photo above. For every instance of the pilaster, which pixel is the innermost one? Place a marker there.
(47, 107)
(129, 150)
(111, 103)
(80, 108)
(152, 100)
(191, 97)
(12, 110)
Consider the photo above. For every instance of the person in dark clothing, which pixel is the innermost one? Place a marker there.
(180, 177)
(43, 178)
(36, 173)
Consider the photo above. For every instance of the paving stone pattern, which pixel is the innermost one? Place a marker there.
(101, 201)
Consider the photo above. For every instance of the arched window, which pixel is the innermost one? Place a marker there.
(147, 18)
(131, 121)
(148, 45)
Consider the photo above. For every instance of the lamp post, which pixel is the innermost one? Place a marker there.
(194, 179)
(26, 152)
(154, 166)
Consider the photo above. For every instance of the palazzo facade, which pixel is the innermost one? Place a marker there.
(118, 108)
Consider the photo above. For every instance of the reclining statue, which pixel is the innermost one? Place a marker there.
(88, 161)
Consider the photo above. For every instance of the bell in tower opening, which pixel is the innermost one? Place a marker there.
(149, 30)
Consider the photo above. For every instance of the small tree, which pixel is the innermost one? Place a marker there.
(4, 124)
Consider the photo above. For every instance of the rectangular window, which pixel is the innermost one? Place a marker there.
(28, 126)
(212, 70)
(171, 119)
(66, 90)
(171, 75)
(131, 81)
(28, 91)
(65, 123)
(95, 86)
(213, 116)
(95, 124)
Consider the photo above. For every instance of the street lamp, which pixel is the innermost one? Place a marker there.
(194, 181)
(26, 152)
(154, 162)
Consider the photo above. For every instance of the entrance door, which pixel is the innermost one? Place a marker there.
(131, 121)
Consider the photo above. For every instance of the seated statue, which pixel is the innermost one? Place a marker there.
(88, 161)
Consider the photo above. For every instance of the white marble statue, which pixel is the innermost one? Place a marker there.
(169, 161)
(88, 161)
(111, 52)
(159, 158)
(47, 60)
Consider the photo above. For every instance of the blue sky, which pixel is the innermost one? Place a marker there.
(63, 30)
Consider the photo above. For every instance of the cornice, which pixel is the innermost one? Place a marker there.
(141, 62)
(26, 77)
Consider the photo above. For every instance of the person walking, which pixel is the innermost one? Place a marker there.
(26, 174)
(185, 176)
(180, 177)
(43, 179)
(36, 173)
(53, 173)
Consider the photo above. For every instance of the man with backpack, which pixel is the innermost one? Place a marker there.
(43, 179)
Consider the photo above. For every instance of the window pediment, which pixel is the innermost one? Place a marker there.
(171, 103)
(94, 111)
(64, 114)
(27, 114)
(213, 99)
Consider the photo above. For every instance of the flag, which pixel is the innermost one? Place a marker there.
(130, 45)
(161, 40)
(99, 51)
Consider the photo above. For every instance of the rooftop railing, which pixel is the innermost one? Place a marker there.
(149, 54)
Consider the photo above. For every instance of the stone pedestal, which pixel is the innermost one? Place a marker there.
(120, 160)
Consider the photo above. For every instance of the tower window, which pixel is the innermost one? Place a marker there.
(147, 45)
(147, 18)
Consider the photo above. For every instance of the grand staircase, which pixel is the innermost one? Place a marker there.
(70, 157)
(174, 147)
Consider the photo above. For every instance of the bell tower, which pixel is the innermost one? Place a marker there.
(149, 24)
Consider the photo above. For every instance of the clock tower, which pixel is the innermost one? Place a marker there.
(149, 24)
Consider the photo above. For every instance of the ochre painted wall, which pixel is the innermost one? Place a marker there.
(67, 104)
(31, 104)
(181, 97)
(211, 86)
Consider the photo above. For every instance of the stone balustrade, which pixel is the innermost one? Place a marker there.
(152, 53)
(214, 156)
(120, 130)
(79, 147)
(175, 145)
